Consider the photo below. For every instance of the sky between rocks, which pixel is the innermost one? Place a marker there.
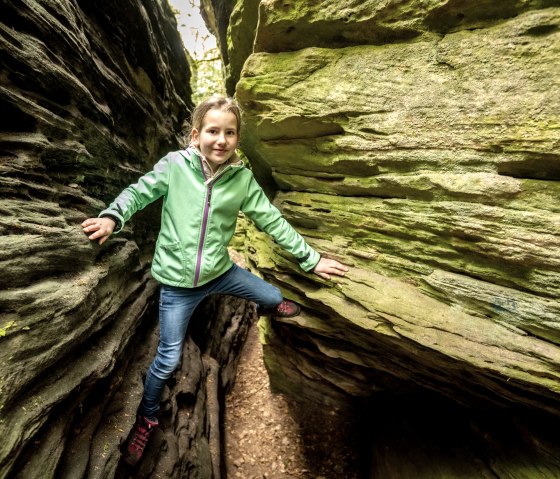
(196, 37)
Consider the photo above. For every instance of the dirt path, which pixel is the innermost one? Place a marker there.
(270, 437)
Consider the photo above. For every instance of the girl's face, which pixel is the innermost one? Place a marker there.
(218, 137)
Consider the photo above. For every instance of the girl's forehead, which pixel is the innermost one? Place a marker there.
(220, 117)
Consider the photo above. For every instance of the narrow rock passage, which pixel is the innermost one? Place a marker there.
(268, 436)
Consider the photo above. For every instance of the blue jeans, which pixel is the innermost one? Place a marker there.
(176, 307)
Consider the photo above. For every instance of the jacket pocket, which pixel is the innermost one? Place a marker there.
(221, 260)
(169, 261)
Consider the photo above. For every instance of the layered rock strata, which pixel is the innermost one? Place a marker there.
(418, 143)
(93, 93)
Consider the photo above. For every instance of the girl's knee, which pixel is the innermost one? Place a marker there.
(166, 362)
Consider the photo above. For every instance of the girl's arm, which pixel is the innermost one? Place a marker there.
(269, 219)
(135, 197)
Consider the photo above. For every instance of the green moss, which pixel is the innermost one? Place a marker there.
(240, 39)
(265, 329)
(6, 327)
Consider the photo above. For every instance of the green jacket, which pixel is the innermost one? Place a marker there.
(198, 217)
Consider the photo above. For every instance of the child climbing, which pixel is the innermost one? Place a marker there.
(203, 189)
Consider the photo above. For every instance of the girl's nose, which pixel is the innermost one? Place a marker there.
(222, 138)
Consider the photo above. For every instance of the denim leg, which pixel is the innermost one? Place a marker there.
(240, 282)
(176, 307)
(175, 310)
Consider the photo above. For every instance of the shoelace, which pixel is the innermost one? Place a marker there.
(140, 438)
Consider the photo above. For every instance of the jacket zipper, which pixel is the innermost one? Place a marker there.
(205, 223)
(202, 234)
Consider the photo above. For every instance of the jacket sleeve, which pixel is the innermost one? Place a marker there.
(269, 219)
(137, 196)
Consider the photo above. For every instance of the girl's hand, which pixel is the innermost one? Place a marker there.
(100, 227)
(325, 267)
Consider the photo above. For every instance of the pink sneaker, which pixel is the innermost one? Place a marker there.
(138, 438)
(286, 309)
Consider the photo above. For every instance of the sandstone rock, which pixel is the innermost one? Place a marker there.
(432, 159)
(242, 28)
(296, 24)
(418, 143)
(93, 93)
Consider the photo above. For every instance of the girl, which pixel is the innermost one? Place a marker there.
(203, 189)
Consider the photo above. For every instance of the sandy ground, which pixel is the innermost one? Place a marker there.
(268, 436)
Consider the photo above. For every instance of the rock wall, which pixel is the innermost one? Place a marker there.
(93, 93)
(418, 143)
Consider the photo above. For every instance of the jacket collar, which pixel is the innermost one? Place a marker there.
(199, 162)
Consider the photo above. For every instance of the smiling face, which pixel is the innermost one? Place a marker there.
(218, 137)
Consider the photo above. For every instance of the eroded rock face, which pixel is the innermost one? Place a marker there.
(417, 142)
(93, 93)
(431, 167)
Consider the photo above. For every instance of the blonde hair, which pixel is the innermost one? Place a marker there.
(215, 102)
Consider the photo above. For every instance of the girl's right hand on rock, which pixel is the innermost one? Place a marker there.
(326, 267)
(99, 228)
